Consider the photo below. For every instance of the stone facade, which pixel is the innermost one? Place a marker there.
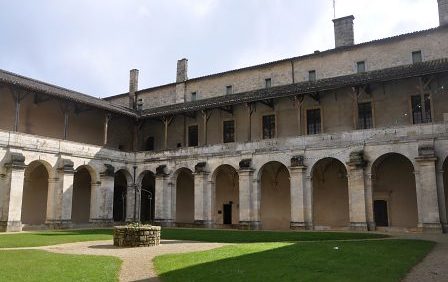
(89, 166)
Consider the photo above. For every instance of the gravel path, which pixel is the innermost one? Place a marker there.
(137, 262)
(434, 266)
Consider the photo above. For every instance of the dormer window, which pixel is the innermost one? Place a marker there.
(193, 96)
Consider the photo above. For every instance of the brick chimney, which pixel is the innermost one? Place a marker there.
(343, 31)
(182, 69)
(443, 12)
(133, 87)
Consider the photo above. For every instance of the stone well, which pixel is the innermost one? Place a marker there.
(136, 236)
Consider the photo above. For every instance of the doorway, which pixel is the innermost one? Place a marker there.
(227, 217)
(381, 214)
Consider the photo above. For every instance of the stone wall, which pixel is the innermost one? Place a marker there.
(141, 236)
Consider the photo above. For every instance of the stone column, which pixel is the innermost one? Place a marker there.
(426, 185)
(202, 198)
(54, 203)
(66, 176)
(249, 207)
(368, 182)
(130, 203)
(105, 197)
(163, 197)
(11, 191)
(297, 186)
(308, 201)
(356, 191)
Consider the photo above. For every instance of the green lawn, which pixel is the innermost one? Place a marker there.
(236, 236)
(36, 265)
(379, 260)
(46, 238)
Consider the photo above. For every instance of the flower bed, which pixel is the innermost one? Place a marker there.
(135, 235)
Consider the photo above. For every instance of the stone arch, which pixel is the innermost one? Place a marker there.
(394, 191)
(35, 192)
(82, 193)
(122, 180)
(330, 194)
(275, 196)
(147, 196)
(184, 200)
(226, 207)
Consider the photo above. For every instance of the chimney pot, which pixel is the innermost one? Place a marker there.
(182, 70)
(133, 87)
(443, 12)
(343, 31)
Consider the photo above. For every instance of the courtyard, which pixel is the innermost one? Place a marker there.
(199, 254)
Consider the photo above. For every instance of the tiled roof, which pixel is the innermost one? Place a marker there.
(308, 87)
(59, 92)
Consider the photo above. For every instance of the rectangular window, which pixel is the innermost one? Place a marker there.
(416, 57)
(269, 127)
(193, 136)
(228, 131)
(268, 82)
(229, 89)
(365, 115)
(361, 66)
(421, 114)
(313, 122)
(193, 96)
(149, 146)
(312, 75)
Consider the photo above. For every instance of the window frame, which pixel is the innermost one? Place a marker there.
(357, 66)
(275, 125)
(266, 82)
(417, 52)
(424, 119)
(227, 89)
(372, 112)
(321, 120)
(195, 95)
(234, 131)
(188, 134)
(309, 75)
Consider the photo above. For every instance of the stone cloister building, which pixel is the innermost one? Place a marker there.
(355, 137)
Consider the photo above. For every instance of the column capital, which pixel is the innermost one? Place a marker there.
(426, 159)
(300, 168)
(16, 161)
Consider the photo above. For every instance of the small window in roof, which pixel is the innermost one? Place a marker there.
(193, 96)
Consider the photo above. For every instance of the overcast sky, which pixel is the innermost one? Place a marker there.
(90, 45)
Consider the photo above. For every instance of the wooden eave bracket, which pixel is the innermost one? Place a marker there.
(268, 102)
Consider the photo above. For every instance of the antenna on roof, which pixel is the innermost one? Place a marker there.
(334, 9)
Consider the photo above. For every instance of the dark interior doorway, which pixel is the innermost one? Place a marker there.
(381, 214)
(227, 208)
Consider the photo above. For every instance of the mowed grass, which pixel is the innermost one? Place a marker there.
(36, 265)
(46, 238)
(376, 260)
(237, 236)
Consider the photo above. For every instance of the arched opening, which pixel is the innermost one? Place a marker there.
(394, 192)
(82, 187)
(445, 184)
(184, 196)
(330, 194)
(275, 206)
(226, 208)
(35, 194)
(147, 197)
(120, 193)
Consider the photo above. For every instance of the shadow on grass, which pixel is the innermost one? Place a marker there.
(86, 232)
(385, 260)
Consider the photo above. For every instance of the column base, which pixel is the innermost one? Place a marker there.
(445, 228)
(102, 222)
(358, 226)
(371, 226)
(431, 228)
(250, 225)
(203, 223)
(164, 222)
(297, 225)
(58, 224)
(10, 226)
